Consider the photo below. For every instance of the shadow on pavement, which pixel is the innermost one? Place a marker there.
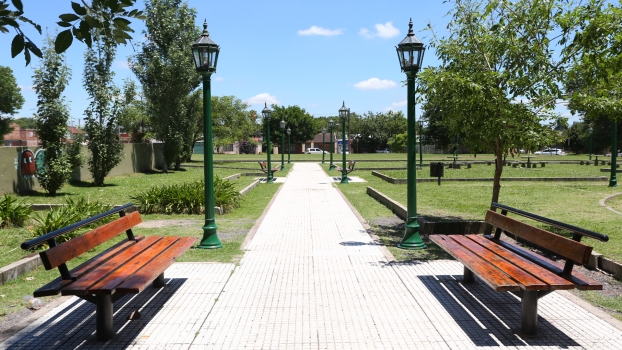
(74, 326)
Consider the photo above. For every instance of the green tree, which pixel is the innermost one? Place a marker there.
(11, 99)
(232, 121)
(497, 80)
(107, 18)
(26, 122)
(49, 81)
(133, 117)
(301, 123)
(398, 143)
(166, 71)
(102, 114)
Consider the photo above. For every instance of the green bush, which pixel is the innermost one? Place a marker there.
(187, 198)
(70, 213)
(12, 212)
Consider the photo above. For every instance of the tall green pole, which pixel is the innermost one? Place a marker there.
(613, 181)
(412, 239)
(591, 137)
(344, 170)
(420, 144)
(332, 146)
(323, 143)
(210, 237)
(282, 150)
(270, 178)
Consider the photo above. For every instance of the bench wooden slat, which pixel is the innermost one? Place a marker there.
(54, 287)
(81, 286)
(554, 281)
(141, 279)
(516, 272)
(108, 284)
(562, 246)
(496, 279)
(579, 280)
(60, 254)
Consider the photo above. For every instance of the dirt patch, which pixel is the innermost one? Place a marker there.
(164, 223)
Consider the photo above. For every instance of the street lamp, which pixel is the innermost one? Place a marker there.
(410, 54)
(613, 181)
(282, 125)
(205, 54)
(591, 134)
(289, 147)
(344, 113)
(267, 114)
(420, 143)
(331, 125)
(323, 143)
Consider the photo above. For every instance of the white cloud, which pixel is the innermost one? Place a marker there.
(219, 79)
(24, 88)
(384, 31)
(263, 98)
(122, 64)
(375, 84)
(396, 104)
(315, 30)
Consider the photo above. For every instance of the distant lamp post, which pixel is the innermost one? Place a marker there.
(323, 144)
(344, 113)
(282, 125)
(420, 143)
(289, 147)
(205, 54)
(331, 125)
(613, 181)
(591, 134)
(410, 53)
(267, 115)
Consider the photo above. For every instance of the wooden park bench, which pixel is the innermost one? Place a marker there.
(350, 168)
(126, 268)
(508, 267)
(264, 167)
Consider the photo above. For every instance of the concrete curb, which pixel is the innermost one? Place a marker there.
(397, 181)
(18, 268)
(248, 188)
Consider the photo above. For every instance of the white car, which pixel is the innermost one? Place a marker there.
(314, 151)
(551, 152)
(609, 154)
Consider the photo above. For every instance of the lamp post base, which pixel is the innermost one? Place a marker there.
(412, 239)
(331, 167)
(344, 179)
(282, 167)
(613, 182)
(210, 239)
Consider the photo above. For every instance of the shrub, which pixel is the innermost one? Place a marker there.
(187, 198)
(70, 213)
(12, 212)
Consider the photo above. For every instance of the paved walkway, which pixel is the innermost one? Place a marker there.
(313, 279)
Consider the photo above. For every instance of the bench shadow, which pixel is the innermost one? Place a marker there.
(74, 326)
(497, 321)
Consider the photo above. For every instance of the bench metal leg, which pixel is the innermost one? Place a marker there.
(529, 312)
(103, 316)
(159, 281)
(469, 276)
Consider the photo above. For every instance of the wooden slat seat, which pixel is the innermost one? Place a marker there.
(264, 167)
(508, 267)
(350, 168)
(126, 268)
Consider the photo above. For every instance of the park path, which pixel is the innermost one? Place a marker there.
(312, 278)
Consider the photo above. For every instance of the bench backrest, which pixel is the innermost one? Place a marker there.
(56, 256)
(568, 248)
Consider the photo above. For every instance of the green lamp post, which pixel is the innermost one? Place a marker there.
(420, 143)
(205, 54)
(613, 181)
(410, 53)
(323, 143)
(289, 146)
(282, 126)
(331, 125)
(591, 134)
(344, 113)
(267, 114)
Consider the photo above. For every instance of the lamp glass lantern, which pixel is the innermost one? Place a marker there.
(205, 52)
(410, 51)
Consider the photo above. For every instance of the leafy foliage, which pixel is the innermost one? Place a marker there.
(102, 114)
(166, 71)
(11, 98)
(50, 80)
(231, 120)
(13, 212)
(373, 130)
(297, 119)
(70, 213)
(187, 197)
(10, 18)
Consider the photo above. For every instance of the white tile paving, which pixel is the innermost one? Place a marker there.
(313, 279)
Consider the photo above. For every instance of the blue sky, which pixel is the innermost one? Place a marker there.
(314, 54)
